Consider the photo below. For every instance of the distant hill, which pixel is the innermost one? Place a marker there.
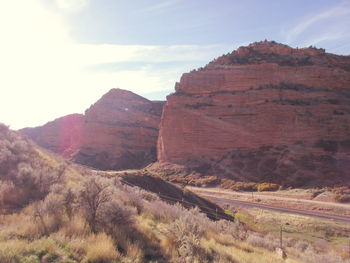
(118, 132)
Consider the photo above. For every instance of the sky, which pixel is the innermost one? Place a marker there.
(58, 57)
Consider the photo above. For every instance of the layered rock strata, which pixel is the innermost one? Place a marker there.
(266, 112)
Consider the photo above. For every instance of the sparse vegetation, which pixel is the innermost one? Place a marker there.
(267, 187)
(342, 194)
(342, 198)
(70, 216)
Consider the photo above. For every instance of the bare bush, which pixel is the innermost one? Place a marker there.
(311, 256)
(259, 240)
(48, 214)
(7, 189)
(301, 246)
(113, 214)
(164, 211)
(234, 229)
(68, 198)
(321, 245)
(94, 193)
(185, 234)
(133, 197)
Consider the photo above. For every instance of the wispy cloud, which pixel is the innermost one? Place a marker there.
(160, 6)
(96, 54)
(331, 24)
(72, 5)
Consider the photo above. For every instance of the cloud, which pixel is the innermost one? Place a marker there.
(328, 25)
(160, 6)
(71, 5)
(96, 54)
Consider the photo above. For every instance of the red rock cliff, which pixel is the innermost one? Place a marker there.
(118, 132)
(266, 112)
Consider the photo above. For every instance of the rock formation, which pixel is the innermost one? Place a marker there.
(118, 132)
(266, 112)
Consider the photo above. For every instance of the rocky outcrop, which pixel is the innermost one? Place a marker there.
(266, 112)
(118, 132)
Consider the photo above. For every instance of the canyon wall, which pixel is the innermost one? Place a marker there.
(266, 112)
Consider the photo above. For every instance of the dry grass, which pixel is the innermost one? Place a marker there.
(100, 248)
(247, 255)
(75, 227)
(9, 250)
(134, 252)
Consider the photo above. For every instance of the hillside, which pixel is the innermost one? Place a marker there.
(59, 203)
(264, 113)
(58, 212)
(118, 132)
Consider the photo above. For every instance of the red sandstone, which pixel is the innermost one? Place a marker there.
(295, 103)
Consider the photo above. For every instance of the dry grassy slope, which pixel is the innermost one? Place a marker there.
(173, 194)
(33, 158)
(127, 225)
(27, 171)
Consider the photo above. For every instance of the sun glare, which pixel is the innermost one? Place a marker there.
(44, 71)
(34, 52)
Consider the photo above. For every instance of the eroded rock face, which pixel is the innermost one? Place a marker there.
(266, 112)
(118, 132)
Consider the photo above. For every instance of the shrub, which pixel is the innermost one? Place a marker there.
(268, 187)
(311, 256)
(259, 240)
(342, 198)
(321, 245)
(94, 193)
(183, 236)
(239, 186)
(133, 197)
(113, 214)
(301, 246)
(67, 196)
(134, 252)
(164, 211)
(75, 227)
(53, 205)
(30, 259)
(234, 229)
